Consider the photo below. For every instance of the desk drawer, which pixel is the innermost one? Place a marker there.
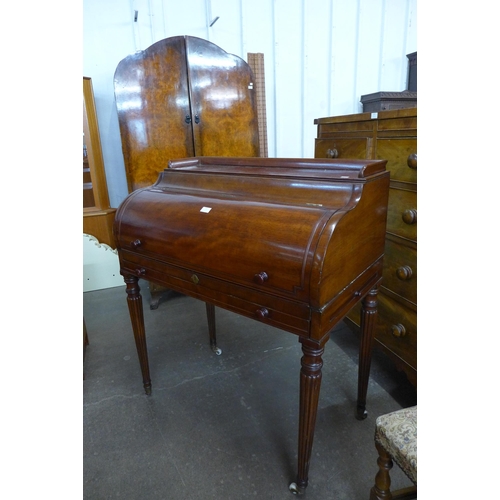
(284, 314)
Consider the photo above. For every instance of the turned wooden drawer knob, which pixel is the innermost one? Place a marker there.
(136, 243)
(262, 313)
(412, 161)
(410, 216)
(398, 330)
(332, 153)
(404, 273)
(140, 272)
(261, 278)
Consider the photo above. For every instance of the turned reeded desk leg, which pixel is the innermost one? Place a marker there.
(368, 325)
(134, 301)
(211, 328)
(310, 384)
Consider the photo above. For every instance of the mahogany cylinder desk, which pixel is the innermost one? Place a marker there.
(292, 243)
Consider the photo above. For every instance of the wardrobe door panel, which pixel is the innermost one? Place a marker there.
(222, 100)
(152, 100)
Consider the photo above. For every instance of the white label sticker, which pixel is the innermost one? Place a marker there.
(205, 210)
(374, 116)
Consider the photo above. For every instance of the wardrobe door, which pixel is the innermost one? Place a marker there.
(223, 101)
(152, 100)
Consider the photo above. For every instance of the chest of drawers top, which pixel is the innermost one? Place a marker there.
(390, 135)
(386, 123)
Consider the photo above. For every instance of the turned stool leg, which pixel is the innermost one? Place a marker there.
(381, 490)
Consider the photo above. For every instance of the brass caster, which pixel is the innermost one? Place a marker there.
(361, 413)
(295, 490)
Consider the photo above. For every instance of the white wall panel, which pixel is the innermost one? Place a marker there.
(108, 36)
(320, 57)
(227, 31)
(317, 69)
(255, 15)
(411, 25)
(289, 71)
(344, 57)
(188, 17)
(370, 24)
(394, 63)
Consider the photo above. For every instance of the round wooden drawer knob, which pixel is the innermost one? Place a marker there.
(404, 273)
(412, 161)
(261, 278)
(332, 153)
(410, 216)
(398, 330)
(140, 272)
(136, 244)
(262, 313)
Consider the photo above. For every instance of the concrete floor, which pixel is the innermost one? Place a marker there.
(221, 427)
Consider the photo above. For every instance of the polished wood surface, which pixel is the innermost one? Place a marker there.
(93, 162)
(292, 243)
(390, 135)
(99, 223)
(183, 96)
(98, 216)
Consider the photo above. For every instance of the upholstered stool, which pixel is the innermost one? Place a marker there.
(396, 440)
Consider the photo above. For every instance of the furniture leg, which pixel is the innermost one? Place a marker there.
(134, 301)
(155, 300)
(211, 328)
(368, 324)
(382, 488)
(310, 384)
(85, 342)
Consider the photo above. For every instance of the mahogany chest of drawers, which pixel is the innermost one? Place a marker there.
(389, 135)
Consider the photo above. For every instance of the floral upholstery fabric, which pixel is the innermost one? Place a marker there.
(396, 432)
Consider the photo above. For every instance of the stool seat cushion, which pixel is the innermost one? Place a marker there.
(396, 432)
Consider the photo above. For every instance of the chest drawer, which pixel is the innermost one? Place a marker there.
(400, 269)
(397, 329)
(401, 156)
(402, 213)
(359, 148)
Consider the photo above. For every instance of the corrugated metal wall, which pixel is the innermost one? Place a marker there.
(321, 56)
